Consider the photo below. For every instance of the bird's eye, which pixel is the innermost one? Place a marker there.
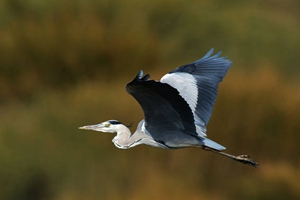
(106, 124)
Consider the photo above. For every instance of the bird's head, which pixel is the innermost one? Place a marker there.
(110, 126)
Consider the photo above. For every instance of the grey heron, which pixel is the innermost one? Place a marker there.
(176, 109)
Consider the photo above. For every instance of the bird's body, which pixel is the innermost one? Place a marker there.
(177, 108)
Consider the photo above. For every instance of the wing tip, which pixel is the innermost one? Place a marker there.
(209, 55)
(140, 77)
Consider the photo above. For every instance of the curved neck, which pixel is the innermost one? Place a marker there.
(123, 139)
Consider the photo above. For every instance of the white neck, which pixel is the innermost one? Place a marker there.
(123, 139)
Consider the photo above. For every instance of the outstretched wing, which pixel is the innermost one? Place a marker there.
(164, 108)
(198, 83)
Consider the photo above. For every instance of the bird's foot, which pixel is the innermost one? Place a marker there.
(245, 159)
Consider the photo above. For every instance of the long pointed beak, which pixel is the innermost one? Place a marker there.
(88, 127)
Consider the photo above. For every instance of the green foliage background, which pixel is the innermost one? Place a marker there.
(64, 64)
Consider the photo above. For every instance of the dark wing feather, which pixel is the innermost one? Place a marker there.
(208, 72)
(164, 109)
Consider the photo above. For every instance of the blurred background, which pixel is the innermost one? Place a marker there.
(64, 64)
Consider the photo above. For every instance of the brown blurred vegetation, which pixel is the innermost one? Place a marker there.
(64, 64)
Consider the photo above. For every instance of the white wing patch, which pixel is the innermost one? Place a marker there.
(186, 85)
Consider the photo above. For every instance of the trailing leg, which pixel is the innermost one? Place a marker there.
(245, 159)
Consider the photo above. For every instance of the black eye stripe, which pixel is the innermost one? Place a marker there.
(114, 122)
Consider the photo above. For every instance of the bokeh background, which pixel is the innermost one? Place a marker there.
(64, 64)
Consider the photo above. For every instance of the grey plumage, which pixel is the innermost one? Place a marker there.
(176, 109)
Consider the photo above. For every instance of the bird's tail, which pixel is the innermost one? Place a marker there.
(209, 143)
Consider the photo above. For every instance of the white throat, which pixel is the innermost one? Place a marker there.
(122, 139)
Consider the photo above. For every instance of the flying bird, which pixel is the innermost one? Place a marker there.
(176, 109)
